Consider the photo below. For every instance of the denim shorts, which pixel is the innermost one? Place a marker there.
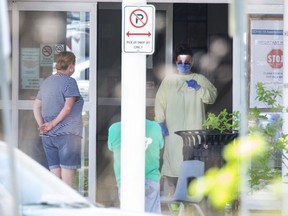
(152, 196)
(63, 151)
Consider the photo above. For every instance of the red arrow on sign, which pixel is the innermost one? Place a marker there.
(138, 34)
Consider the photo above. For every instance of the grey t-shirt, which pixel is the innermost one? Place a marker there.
(52, 94)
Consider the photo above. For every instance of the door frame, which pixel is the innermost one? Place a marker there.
(18, 105)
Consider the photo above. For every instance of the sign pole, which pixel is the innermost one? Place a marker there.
(285, 104)
(5, 52)
(133, 106)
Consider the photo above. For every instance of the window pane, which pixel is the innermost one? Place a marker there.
(42, 36)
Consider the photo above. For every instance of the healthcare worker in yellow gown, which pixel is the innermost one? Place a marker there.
(179, 105)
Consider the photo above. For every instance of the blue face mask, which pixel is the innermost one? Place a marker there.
(184, 68)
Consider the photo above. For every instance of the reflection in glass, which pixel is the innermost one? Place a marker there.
(42, 36)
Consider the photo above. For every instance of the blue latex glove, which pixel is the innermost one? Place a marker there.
(193, 84)
(164, 129)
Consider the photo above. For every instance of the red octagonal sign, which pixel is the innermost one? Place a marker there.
(274, 58)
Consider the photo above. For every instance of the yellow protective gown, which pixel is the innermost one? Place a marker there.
(182, 108)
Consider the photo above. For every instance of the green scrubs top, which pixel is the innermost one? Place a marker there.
(152, 152)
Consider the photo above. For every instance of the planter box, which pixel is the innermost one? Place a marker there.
(205, 145)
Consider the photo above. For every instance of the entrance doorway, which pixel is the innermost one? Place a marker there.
(40, 31)
(93, 32)
(203, 26)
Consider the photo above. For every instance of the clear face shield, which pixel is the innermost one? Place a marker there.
(183, 64)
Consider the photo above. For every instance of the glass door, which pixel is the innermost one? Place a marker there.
(40, 32)
(109, 83)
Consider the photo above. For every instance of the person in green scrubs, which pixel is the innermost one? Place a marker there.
(179, 105)
(153, 145)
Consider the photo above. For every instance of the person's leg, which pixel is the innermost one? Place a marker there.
(68, 176)
(56, 171)
(152, 196)
(168, 185)
(70, 157)
(51, 152)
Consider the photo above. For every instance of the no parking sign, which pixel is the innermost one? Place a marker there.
(139, 29)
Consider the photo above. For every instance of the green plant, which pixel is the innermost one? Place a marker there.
(222, 122)
(221, 185)
(268, 97)
(265, 167)
(261, 149)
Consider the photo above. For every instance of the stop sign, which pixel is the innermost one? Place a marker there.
(274, 58)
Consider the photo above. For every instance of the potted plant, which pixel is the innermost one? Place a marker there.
(267, 166)
(223, 122)
(264, 158)
(206, 145)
